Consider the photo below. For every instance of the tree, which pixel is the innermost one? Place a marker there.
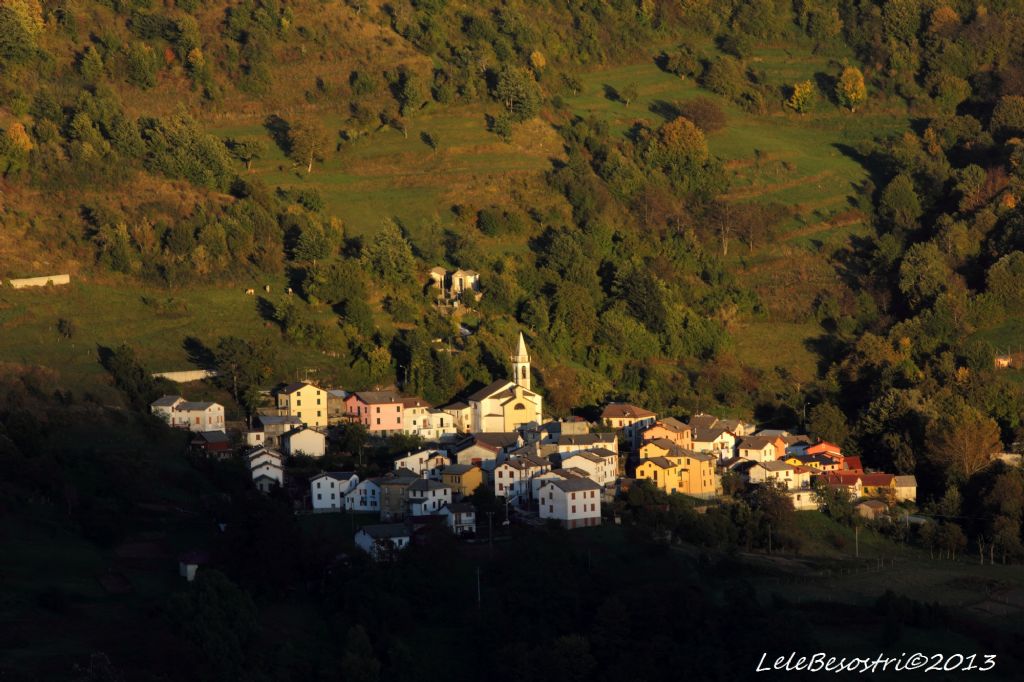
(538, 61)
(246, 149)
(517, 90)
(924, 274)
(684, 140)
(562, 387)
(628, 93)
(828, 423)
(899, 205)
(1008, 117)
(129, 375)
(244, 365)
(962, 443)
(20, 22)
(802, 97)
(389, 255)
(219, 617)
(307, 142)
(411, 93)
(358, 662)
(850, 89)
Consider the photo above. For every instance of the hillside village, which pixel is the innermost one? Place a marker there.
(497, 440)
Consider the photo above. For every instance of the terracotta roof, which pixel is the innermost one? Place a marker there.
(852, 463)
(625, 411)
(877, 479)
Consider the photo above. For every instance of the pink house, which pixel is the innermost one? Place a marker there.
(378, 411)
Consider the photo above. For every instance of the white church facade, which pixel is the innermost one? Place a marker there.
(505, 405)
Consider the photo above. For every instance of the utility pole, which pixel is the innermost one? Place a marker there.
(490, 530)
(856, 541)
(769, 538)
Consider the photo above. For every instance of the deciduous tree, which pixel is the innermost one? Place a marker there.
(962, 443)
(850, 89)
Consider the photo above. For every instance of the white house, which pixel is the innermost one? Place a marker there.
(304, 441)
(266, 467)
(759, 449)
(460, 517)
(804, 499)
(164, 405)
(425, 497)
(780, 472)
(194, 416)
(538, 481)
(422, 463)
(383, 541)
(575, 503)
(364, 497)
(328, 490)
(716, 440)
(267, 476)
(601, 465)
(512, 477)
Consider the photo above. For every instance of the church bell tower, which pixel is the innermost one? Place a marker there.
(521, 365)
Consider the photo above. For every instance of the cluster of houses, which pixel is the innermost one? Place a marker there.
(550, 470)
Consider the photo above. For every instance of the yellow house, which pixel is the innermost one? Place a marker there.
(697, 474)
(670, 429)
(463, 479)
(879, 485)
(305, 401)
(661, 447)
(694, 472)
(660, 471)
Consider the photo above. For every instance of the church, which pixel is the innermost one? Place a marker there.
(505, 405)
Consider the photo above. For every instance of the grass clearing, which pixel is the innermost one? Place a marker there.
(109, 313)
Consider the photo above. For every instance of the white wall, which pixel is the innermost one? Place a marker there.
(40, 281)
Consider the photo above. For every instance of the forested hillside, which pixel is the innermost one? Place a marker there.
(763, 208)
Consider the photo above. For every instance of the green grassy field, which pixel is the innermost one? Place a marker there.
(108, 314)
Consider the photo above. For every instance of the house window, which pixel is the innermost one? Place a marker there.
(318, 401)
(551, 509)
(378, 421)
(574, 509)
(298, 403)
(319, 496)
(378, 410)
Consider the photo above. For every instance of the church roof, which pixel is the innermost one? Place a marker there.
(490, 390)
(521, 347)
